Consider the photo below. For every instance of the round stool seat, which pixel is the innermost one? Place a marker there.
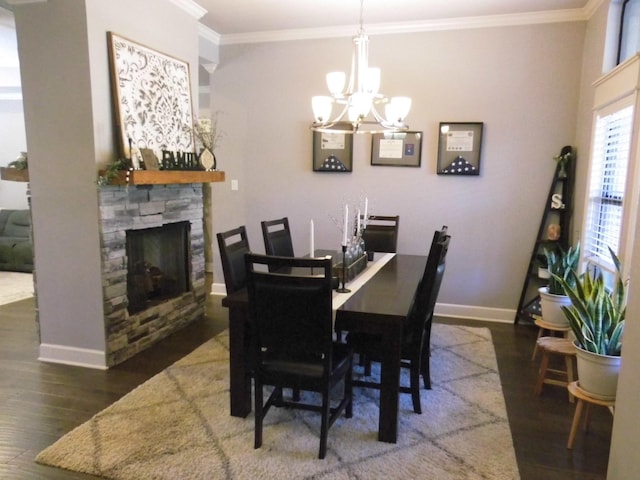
(559, 345)
(555, 346)
(548, 327)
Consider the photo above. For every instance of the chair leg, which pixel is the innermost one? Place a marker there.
(415, 386)
(425, 367)
(348, 391)
(324, 425)
(258, 414)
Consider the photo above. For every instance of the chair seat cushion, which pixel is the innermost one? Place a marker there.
(307, 367)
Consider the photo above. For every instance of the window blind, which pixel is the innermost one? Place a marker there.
(607, 185)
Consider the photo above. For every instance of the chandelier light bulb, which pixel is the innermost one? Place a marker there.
(372, 81)
(397, 109)
(322, 106)
(335, 82)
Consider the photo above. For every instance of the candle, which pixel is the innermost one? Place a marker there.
(346, 225)
(358, 228)
(366, 211)
(311, 245)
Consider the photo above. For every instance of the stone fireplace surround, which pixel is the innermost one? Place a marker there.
(130, 207)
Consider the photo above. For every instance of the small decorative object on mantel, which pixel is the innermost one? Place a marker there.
(209, 136)
(21, 163)
(17, 170)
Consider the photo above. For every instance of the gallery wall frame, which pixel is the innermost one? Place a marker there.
(145, 83)
(333, 151)
(459, 146)
(396, 149)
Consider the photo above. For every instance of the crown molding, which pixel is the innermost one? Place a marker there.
(591, 7)
(208, 34)
(23, 2)
(460, 23)
(189, 6)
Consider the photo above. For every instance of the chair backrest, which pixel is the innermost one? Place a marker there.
(233, 244)
(291, 312)
(277, 237)
(381, 233)
(426, 294)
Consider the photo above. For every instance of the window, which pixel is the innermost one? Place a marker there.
(610, 157)
(629, 43)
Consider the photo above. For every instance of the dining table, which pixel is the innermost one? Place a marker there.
(379, 299)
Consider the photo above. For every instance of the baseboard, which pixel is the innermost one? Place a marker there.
(79, 357)
(218, 289)
(469, 312)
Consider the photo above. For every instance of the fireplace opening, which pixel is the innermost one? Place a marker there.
(157, 264)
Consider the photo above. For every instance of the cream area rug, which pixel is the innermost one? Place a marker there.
(15, 286)
(177, 426)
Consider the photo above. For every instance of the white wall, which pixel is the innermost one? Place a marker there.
(523, 82)
(67, 103)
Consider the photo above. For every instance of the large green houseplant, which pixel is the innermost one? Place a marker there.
(597, 318)
(560, 264)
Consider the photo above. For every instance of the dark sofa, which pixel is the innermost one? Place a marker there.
(16, 248)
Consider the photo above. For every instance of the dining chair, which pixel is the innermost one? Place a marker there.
(277, 237)
(438, 236)
(233, 244)
(381, 233)
(292, 315)
(417, 326)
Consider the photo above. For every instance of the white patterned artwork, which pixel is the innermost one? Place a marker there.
(152, 96)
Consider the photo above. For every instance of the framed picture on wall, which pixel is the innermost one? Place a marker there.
(459, 146)
(399, 149)
(333, 151)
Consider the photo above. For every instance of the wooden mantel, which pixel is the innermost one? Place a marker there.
(166, 177)
(14, 174)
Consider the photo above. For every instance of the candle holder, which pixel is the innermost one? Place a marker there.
(344, 289)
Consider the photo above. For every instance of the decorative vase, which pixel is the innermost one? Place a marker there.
(598, 374)
(208, 159)
(551, 306)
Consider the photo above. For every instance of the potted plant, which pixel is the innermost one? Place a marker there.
(597, 317)
(560, 264)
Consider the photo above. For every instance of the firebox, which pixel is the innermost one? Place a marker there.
(158, 264)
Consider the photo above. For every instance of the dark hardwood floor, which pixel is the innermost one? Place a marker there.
(40, 402)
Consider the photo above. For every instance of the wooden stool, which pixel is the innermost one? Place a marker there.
(544, 327)
(555, 346)
(583, 397)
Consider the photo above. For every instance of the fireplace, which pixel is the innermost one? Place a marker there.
(157, 264)
(153, 264)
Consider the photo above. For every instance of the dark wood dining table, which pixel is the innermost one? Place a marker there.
(377, 307)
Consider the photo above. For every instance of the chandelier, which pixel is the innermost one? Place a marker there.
(358, 104)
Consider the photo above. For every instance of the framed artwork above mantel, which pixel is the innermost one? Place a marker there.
(151, 96)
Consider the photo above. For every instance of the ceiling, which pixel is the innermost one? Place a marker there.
(229, 17)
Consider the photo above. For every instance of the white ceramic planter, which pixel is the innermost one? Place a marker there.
(598, 374)
(551, 306)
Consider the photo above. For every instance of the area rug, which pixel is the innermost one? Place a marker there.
(15, 286)
(177, 426)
